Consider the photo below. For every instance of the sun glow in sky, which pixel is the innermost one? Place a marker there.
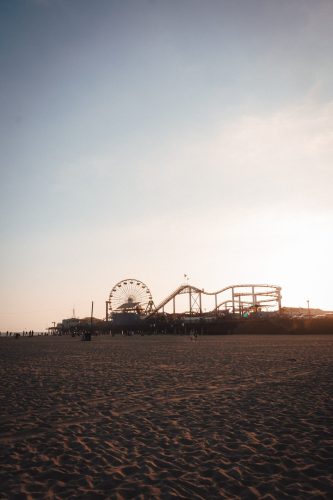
(152, 138)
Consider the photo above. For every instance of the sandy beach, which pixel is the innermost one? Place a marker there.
(166, 417)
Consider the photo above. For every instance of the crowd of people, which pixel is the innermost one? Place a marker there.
(25, 333)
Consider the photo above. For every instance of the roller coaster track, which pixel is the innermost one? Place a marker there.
(273, 295)
(178, 291)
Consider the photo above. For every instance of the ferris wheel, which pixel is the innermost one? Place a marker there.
(130, 295)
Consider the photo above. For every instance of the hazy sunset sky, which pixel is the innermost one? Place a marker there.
(153, 138)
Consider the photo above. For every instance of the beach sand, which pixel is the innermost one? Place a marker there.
(160, 417)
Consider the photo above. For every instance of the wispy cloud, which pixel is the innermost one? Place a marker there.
(282, 156)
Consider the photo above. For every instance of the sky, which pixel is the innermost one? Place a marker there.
(150, 139)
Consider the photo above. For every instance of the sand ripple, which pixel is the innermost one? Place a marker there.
(163, 417)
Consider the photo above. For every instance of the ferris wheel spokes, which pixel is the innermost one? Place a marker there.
(131, 296)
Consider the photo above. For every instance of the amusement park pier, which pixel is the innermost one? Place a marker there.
(246, 308)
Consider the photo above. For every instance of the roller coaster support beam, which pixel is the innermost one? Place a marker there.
(195, 305)
(248, 295)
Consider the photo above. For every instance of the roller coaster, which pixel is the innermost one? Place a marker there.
(132, 296)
